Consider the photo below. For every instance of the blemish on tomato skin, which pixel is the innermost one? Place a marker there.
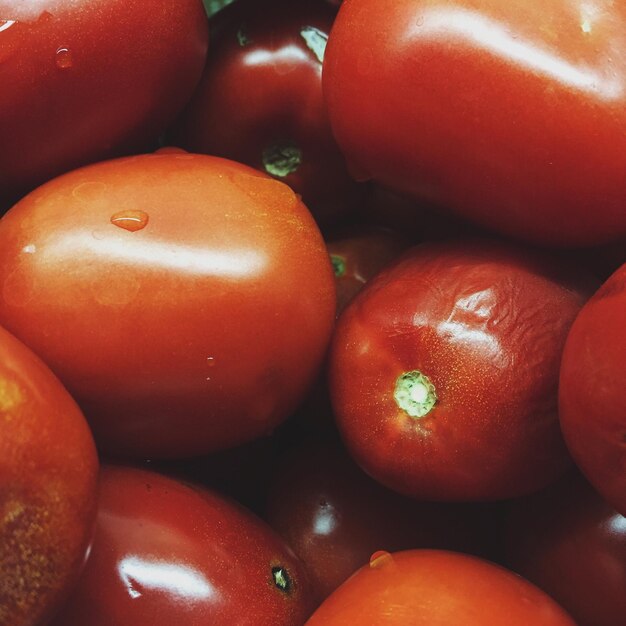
(10, 397)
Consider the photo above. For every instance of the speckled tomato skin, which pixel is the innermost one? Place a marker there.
(165, 552)
(486, 323)
(128, 69)
(48, 487)
(437, 588)
(592, 403)
(200, 331)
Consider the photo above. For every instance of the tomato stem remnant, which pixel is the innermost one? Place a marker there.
(281, 578)
(339, 265)
(282, 159)
(415, 394)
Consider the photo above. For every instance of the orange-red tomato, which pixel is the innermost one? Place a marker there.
(48, 481)
(444, 370)
(592, 402)
(168, 553)
(85, 79)
(436, 588)
(186, 301)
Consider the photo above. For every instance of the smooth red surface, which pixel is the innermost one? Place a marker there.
(592, 402)
(486, 323)
(48, 487)
(436, 588)
(262, 87)
(335, 517)
(85, 79)
(197, 319)
(168, 553)
(358, 255)
(572, 544)
(512, 114)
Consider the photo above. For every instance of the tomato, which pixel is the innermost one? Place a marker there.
(260, 101)
(358, 255)
(48, 474)
(186, 301)
(512, 114)
(83, 79)
(335, 517)
(444, 370)
(436, 588)
(592, 404)
(167, 553)
(569, 542)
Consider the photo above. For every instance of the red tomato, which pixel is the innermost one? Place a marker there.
(444, 371)
(48, 474)
(358, 256)
(570, 543)
(335, 517)
(186, 301)
(512, 114)
(167, 553)
(82, 79)
(436, 588)
(592, 403)
(260, 100)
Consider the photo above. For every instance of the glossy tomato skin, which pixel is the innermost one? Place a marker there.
(90, 79)
(569, 542)
(48, 487)
(359, 255)
(165, 553)
(437, 588)
(186, 301)
(335, 517)
(592, 404)
(485, 325)
(512, 114)
(260, 101)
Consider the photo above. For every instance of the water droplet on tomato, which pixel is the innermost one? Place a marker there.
(130, 220)
(63, 58)
(210, 361)
(380, 559)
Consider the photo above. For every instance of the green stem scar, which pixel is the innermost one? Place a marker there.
(282, 159)
(281, 579)
(339, 265)
(415, 394)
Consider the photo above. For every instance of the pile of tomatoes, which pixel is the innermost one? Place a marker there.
(312, 312)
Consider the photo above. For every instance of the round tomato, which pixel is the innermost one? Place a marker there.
(592, 403)
(260, 100)
(48, 487)
(436, 588)
(572, 544)
(444, 370)
(167, 553)
(512, 114)
(186, 301)
(84, 79)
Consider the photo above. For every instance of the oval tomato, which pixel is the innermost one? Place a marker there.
(592, 403)
(512, 114)
(186, 301)
(166, 553)
(260, 101)
(444, 370)
(85, 79)
(48, 487)
(569, 542)
(430, 587)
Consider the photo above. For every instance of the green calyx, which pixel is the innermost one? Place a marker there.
(282, 159)
(339, 265)
(415, 394)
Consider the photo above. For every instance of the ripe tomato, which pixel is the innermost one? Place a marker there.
(571, 544)
(260, 100)
(512, 114)
(48, 474)
(592, 403)
(167, 553)
(335, 517)
(84, 79)
(436, 588)
(186, 301)
(444, 370)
